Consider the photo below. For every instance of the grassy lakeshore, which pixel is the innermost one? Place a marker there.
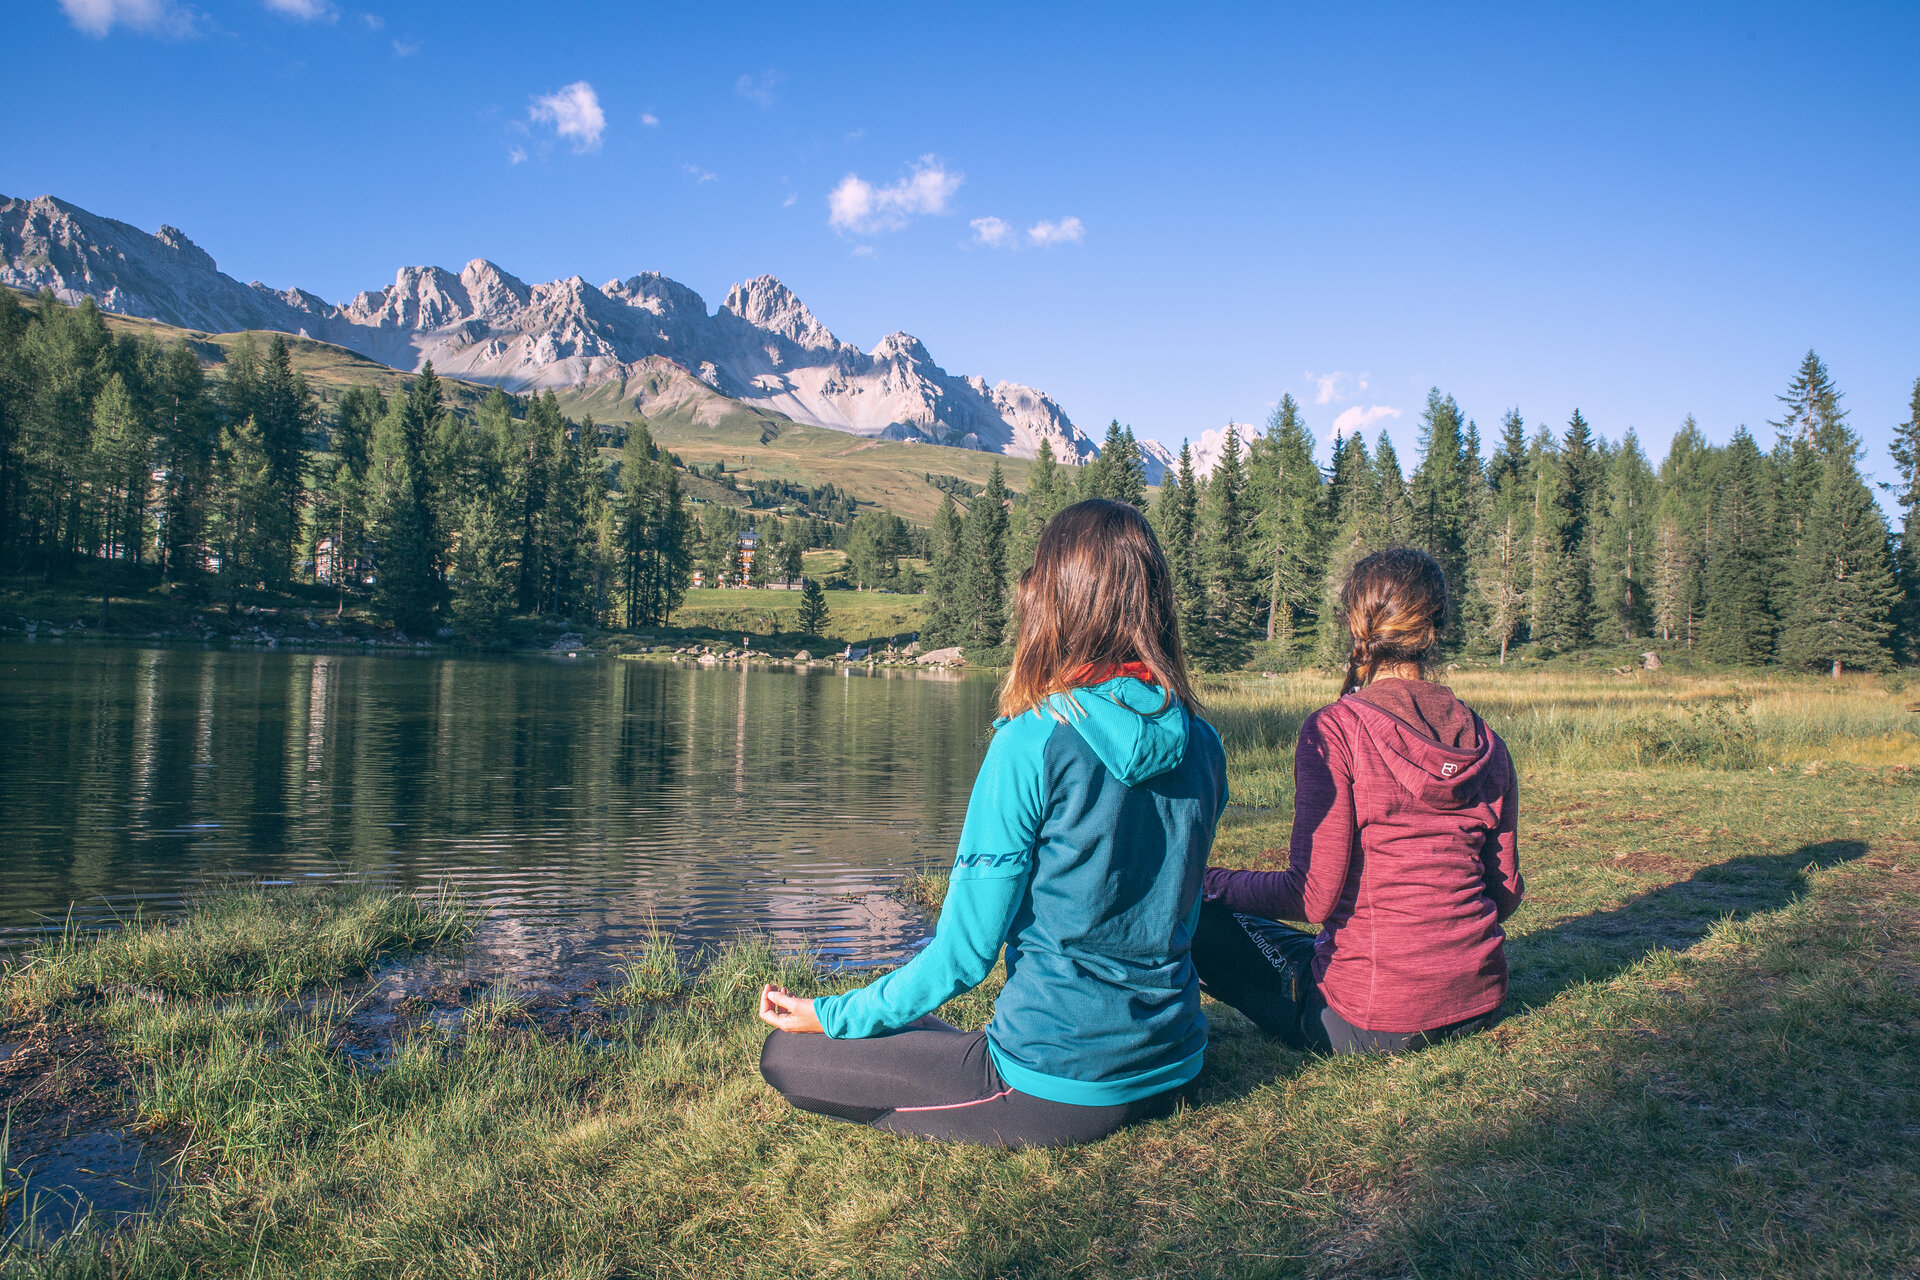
(1705, 1069)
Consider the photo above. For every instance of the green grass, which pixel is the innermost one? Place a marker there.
(852, 615)
(1706, 1070)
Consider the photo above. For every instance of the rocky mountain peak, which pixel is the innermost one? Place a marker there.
(766, 304)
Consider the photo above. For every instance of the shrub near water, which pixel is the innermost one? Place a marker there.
(252, 942)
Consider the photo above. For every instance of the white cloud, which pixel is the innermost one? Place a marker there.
(762, 89)
(992, 232)
(863, 251)
(156, 17)
(788, 203)
(1329, 387)
(700, 175)
(405, 49)
(1355, 420)
(649, 119)
(373, 20)
(862, 208)
(303, 10)
(1048, 234)
(574, 112)
(516, 155)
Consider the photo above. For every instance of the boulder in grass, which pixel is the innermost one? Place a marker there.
(949, 657)
(1650, 660)
(803, 656)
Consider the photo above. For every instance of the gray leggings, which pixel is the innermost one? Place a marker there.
(933, 1081)
(1265, 970)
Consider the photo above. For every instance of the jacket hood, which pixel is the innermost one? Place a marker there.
(1443, 777)
(1125, 724)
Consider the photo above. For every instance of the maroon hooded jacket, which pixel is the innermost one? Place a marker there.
(1404, 845)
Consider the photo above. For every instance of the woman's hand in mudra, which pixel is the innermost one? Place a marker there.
(787, 1012)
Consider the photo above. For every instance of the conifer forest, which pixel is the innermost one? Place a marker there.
(127, 456)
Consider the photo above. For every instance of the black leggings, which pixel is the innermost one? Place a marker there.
(1265, 970)
(934, 1081)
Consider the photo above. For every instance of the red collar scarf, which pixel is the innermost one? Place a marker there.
(1101, 672)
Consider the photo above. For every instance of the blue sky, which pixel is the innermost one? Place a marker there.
(1163, 214)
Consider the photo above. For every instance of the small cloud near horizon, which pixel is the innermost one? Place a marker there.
(154, 17)
(763, 89)
(1356, 419)
(1048, 234)
(573, 113)
(856, 205)
(997, 233)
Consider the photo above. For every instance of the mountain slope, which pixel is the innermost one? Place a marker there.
(762, 348)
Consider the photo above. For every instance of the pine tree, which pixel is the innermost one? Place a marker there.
(943, 603)
(1354, 512)
(1443, 491)
(1119, 472)
(246, 519)
(1287, 491)
(814, 614)
(1737, 623)
(1577, 474)
(119, 466)
(1177, 520)
(1906, 456)
(406, 564)
(983, 575)
(1840, 613)
(1232, 585)
(1680, 530)
(1048, 493)
(283, 408)
(483, 570)
(1624, 543)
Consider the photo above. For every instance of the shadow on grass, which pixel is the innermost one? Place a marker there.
(1593, 948)
(1746, 1111)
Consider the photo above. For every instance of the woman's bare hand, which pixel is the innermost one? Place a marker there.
(787, 1012)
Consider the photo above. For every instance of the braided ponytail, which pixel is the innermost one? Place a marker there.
(1394, 604)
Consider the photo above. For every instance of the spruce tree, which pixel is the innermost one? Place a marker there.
(1389, 489)
(1680, 528)
(283, 408)
(983, 558)
(186, 438)
(1906, 457)
(1501, 541)
(1442, 493)
(1119, 472)
(483, 570)
(1233, 585)
(943, 597)
(1737, 622)
(246, 522)
(1354, 513)
(1177, 517)
(1288, 494)
(1624, 543)
(1840, 613)
(814, 614)
(1578, 477)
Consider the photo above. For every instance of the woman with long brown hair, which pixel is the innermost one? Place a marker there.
(1405, 812)
(1083, 850)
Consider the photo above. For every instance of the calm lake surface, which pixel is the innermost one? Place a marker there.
(581, 802)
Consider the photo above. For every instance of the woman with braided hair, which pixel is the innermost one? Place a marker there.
(1404, 822)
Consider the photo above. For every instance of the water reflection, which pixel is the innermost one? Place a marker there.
(582, 802)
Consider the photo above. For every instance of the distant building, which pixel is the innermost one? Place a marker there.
(749, 548)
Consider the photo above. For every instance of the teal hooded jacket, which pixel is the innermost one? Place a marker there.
(1085, 842)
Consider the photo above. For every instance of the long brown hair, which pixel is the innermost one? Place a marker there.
(1394, 604)
(1098, 594)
